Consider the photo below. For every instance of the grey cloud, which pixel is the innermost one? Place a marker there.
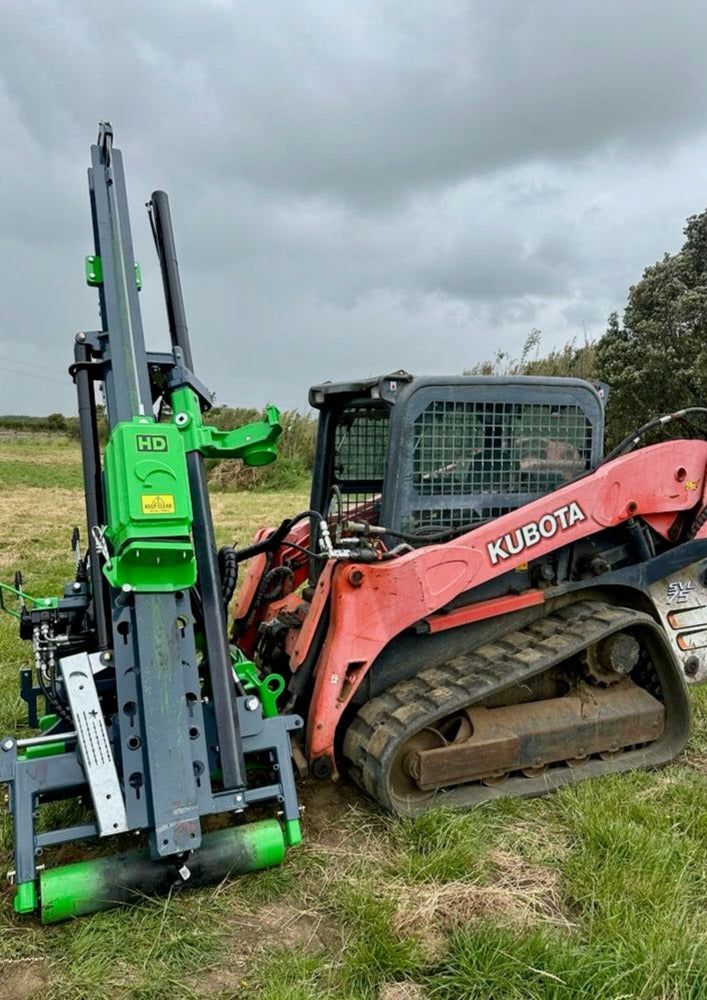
(355, 186)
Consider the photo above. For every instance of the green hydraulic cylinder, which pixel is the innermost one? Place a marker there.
(100, 884)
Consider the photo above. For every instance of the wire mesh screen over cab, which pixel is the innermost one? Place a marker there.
(423, 454)
(477, 448)
(361, 458)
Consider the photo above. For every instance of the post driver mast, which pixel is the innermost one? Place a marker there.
(148, 714)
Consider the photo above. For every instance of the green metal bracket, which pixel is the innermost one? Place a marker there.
(293, 832)
(43, 750)
(94, 271)
(268, 689)
(26, 897)
(38, 602)
(254, 443)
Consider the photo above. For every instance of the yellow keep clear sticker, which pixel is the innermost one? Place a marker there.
(157, 503)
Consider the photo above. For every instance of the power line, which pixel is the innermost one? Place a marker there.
(28, 364)
(44, 378)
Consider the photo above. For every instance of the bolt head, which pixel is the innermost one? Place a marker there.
(691, 666)
(252, 703)
(80, 337)
(8, 744)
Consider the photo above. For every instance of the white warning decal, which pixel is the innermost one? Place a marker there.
(516, 541)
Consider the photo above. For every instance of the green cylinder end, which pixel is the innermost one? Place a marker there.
(293, 832)
(26, 897)
(262, 454)
(266, 841)
(71, 890)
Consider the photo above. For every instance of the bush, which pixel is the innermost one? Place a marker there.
(569, 361)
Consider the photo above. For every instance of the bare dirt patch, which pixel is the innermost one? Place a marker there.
(339, 829)
(402, 991)
(306, 931)
(520, 894)
(338, 817)
(24, 979)
(222, 980)
(257, 930)
(695, 761)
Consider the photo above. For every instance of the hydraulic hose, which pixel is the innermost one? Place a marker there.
(228, 569)
(635, 437)
(272, 543)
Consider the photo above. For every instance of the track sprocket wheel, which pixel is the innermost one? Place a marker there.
(608, 661)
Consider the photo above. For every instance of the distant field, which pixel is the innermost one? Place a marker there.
(597, 892)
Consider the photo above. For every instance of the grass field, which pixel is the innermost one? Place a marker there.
(599, 891)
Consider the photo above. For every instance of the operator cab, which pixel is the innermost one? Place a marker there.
(430, 455)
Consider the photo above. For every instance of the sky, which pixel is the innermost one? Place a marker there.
(356, 187)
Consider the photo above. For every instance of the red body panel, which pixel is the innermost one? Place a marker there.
(482, 609)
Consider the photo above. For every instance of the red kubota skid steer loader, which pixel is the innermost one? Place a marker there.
(478, 604)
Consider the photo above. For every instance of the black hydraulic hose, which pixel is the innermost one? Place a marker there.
(426, 538)
(228, 569)
(273, 541)
(635, 437)
(268, 547)
(335, 491)
(436, 536)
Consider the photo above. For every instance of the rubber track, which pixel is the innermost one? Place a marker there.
(385, 723)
